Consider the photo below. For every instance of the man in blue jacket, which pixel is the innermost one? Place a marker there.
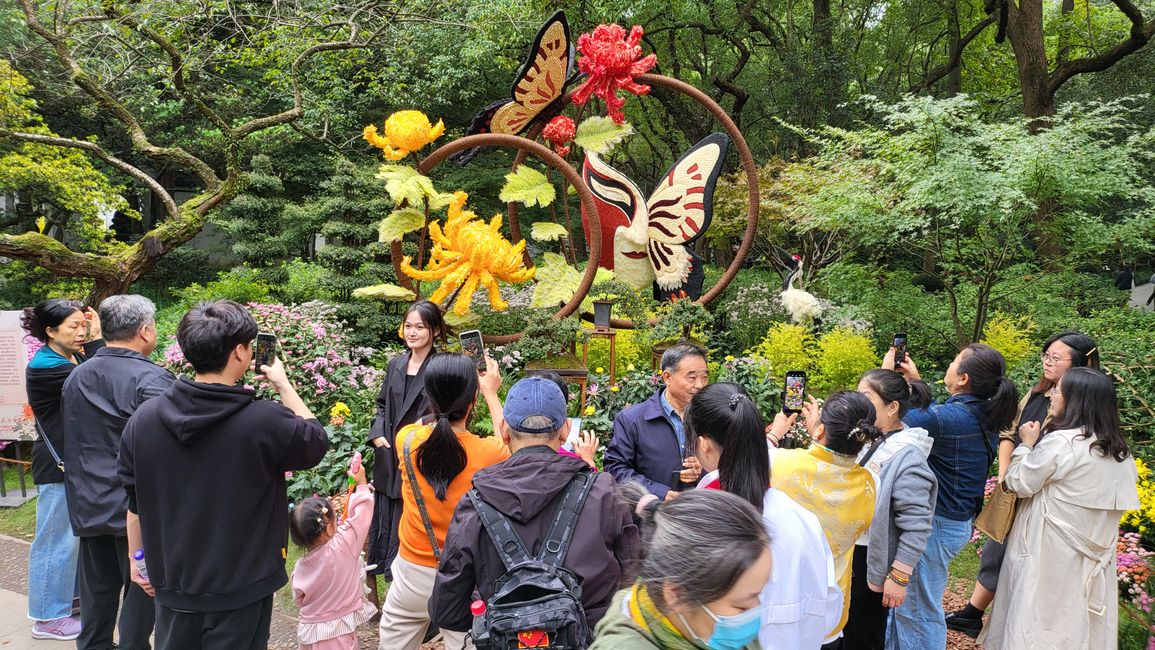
(649, 444)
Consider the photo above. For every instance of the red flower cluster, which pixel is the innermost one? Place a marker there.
(610, 61)
(560, 132)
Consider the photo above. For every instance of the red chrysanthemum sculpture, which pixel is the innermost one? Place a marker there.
(610, 60)
(560, 132)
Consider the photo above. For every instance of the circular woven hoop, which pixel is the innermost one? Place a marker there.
(744, 154)
(525, 147)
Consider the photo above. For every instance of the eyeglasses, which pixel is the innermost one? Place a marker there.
(1052, 359)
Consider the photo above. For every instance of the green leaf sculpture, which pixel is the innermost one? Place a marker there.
(599, 134)
(547, 231)
(399, 223)
(405, 184)
(557, 281)
(385, 291)
(529, 186)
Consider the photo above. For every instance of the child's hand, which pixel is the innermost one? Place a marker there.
(357, 469)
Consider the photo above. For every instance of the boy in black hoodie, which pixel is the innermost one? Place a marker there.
(525, 488)
(204, 467)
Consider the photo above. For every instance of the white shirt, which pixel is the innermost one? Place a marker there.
(802, 601)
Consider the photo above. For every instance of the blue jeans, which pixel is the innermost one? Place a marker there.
(52, 558)
(918, 624)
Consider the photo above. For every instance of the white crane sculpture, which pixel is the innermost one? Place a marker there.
(803, 307)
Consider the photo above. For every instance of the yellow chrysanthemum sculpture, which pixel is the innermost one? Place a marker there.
(405, 132)
(469, 253)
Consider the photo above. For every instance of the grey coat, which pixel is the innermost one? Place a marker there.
(907, 489)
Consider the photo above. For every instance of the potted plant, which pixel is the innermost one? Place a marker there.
(550, 344)
(630, 303)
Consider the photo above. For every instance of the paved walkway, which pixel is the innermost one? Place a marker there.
(1140, 294)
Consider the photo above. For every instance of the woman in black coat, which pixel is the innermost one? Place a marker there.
(68, 330)
(402, 401)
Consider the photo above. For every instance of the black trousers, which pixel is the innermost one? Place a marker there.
(866, 626)
(246, 628)
(384, 541)
(106, 587)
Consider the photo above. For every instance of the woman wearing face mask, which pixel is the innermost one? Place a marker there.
(885, 558)
(827, 480)
(402, 401)
(1058, 587)
(1061, 352)
(964, 428)
(802, 601)
(68, 331)
(706, 562)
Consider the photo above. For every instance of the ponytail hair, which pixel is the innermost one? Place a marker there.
(701, 542)
(987, 372)
(848, 417)
(1084, 354)
(1090, 403)
(891, 386)
(308, 519)
(451, 387)
(725, 414)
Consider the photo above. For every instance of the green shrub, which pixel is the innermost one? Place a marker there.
(304, 281)
(242, 284)
(786, 347)
(753, 374)
(843, 356)
(1011, 337)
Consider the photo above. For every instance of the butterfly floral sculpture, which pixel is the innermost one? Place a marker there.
(469, 253)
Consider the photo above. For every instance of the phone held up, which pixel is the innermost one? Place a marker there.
(473, 347)
(794, 392)
(264, 351)
(899, 345)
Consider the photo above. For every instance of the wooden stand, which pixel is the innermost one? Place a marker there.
(602, 333)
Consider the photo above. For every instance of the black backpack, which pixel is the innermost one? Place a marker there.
(537, 603)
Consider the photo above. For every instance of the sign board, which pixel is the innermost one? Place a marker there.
(16, 421)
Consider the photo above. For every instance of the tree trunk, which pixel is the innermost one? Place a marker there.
(1025, 31)
(954, 79)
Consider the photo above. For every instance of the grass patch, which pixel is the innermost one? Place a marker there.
(283, 600)
(19, 522)
(965, 565)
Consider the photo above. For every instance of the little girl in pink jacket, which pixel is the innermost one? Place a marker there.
(329, 582)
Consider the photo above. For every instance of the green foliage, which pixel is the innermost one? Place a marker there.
(254, 221)
(843, 356)
(604, 402)
(681, 318)
(304, 281)
(242, 284)
(753, 374)
(1011, 337)
(629, 303)
(528, 186)
(547, 338)
(329, 476)
(786, 347)
(598, 134)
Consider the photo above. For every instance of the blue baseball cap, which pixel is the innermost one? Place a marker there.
(535, 397)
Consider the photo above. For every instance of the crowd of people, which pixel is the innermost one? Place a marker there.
(163, 500)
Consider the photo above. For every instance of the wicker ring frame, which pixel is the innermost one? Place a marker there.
(526, 146)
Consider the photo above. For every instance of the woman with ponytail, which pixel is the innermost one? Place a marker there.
(1060, 353)
(965, 430)
(802, 601)
(827, 480)
(68, 331)
(438, 461)
(885, 559)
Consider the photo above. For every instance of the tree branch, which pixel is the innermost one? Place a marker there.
(55, 257)
(170, 206)
(140, 141)
(956, 53)
(1140, 35)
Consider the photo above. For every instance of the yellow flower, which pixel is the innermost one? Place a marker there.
(405, 132)
(469, 254)
(340, 410)
(614, 389)
(590, 410)
(729, 357)
(599, 370)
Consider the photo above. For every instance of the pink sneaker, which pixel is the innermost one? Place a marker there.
(61, 629)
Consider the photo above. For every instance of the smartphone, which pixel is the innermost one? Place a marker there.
(575, 432)
(473, 347)
(794, 392)
(899, 345)
(264, 350)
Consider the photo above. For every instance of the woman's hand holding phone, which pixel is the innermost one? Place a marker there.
(811, 413)
(780, 427)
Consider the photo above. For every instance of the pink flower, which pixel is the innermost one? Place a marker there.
(560, 132)
(610, 61)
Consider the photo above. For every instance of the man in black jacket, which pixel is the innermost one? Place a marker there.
(204, 466)
(525, 488)
(98, 398)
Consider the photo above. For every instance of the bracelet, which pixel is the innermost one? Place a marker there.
(896, 579)
(773, 439)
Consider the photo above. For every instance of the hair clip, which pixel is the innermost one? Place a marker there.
(1093, 350)
(324, 510)
(734, 399)
(319, 520)
(859, 434)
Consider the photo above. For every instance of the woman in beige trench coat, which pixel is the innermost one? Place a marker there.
(1058, 587)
